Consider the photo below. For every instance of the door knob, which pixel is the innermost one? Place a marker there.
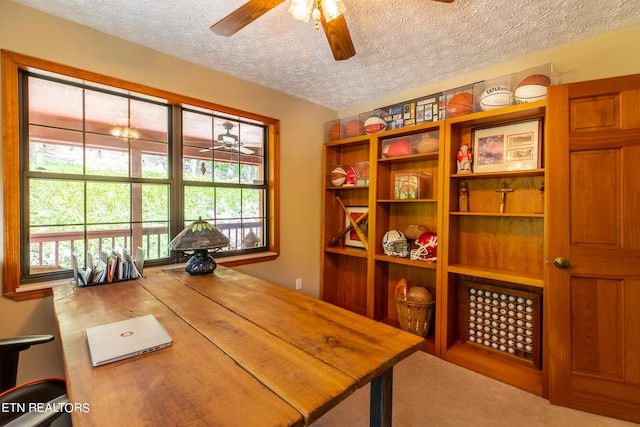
(561, 262)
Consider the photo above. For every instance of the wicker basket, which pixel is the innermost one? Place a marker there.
(415, 317)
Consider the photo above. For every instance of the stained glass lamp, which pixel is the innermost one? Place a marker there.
(199, 237)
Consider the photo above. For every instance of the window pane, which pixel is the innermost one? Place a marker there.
(199, 202)
(51, 247)
(55, 150)
(108, 203)
(228, 203)
(151, 121)
(54, 104)
(105, 111)
(106, 237)
(149, 160)
(197, 130)
(155, 202)
(155, 240)
(252, 203)
(107, 156)
(66, 196)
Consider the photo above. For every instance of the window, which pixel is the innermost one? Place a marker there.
(91, 163)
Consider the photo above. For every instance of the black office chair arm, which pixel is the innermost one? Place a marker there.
(23, 342)
(10, 348)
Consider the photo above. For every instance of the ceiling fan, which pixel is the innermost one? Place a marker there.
(227, 141)
(335, 29)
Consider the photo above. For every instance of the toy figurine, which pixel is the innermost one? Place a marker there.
(464, 158)
(463, 197)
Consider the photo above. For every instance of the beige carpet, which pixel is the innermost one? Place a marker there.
(428, 391)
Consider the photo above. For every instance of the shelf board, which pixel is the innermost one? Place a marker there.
(500, 274)
(347, 251)
(409, 158)
(501, 368)
(501, 174)
(506, 214)
(528, 111)
(406, 261)
(407, 201)
(348, 187)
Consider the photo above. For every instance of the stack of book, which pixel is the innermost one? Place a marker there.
(113, 266)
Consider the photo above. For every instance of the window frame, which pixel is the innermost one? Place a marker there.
(11, 63)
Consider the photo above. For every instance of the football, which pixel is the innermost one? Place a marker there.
(374, 124)
(427, 145)
(532, 88)
(460, 104)
(496, 97)
(397, 148)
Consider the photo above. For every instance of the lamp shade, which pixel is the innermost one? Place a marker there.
(199, 235)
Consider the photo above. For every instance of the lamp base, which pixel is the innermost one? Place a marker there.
(200, 263)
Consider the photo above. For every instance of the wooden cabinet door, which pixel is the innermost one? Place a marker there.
(593, 293)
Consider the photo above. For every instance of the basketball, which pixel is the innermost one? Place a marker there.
(335, 132)
(354, 128)
(496, 97)
(419, 294)
(374, 124)
(338, 176)
(428, 145)
(532, 88)
(460, 104)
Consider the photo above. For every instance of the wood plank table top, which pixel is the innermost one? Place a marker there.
(245, 352)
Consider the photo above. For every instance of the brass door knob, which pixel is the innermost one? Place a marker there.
(561, 262)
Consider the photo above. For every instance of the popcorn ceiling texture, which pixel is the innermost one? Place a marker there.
(400, 44)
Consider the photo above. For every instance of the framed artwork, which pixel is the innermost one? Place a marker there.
(510, 147)
(351, 238)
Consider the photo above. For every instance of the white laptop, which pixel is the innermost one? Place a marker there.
(126, 338)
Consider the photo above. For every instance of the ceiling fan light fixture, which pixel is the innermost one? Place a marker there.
(332, 9)
(302, 9)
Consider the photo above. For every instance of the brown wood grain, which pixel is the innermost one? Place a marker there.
(192, 382)
(245, 352)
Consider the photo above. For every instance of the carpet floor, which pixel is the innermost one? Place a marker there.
(427, 391)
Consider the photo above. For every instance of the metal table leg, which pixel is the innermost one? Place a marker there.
(381, 399)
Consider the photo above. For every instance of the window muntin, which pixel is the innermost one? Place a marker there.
(224, 175)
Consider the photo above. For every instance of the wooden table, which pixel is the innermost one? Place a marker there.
(246, 352)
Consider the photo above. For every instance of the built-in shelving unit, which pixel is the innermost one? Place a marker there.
(481, 249)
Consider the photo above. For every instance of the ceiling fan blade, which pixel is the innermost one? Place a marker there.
(339, 38)
(243, 16)
(244, 150)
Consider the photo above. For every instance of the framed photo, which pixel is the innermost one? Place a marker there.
(511, 147)
(351, 238)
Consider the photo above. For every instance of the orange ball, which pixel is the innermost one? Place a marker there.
(335, 132)
(354, 128)
(419, 294)
(460, 104)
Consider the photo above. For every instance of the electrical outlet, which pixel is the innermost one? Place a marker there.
(298, 284)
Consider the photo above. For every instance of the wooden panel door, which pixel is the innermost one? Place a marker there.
(593, 293)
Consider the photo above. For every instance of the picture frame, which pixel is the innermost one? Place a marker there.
(351, 238)
(511, 147)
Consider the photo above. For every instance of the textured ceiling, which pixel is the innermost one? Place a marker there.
(400, 44)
